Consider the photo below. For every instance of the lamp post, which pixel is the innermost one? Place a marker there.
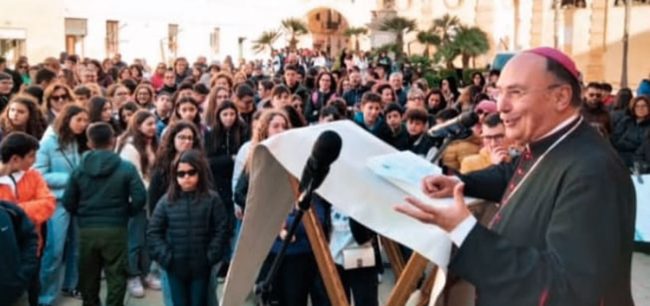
(626, 34)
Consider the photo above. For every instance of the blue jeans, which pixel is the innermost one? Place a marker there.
(212, 287)
(61, 248)
(137, 251)
(190, 292)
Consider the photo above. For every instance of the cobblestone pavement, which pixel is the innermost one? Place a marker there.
(640, 287)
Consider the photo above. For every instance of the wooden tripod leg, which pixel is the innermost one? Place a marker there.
(406, 283)
(427, 287)
(394, 255)
(320, 248)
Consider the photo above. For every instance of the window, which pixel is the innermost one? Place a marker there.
(214, 40)
(172, 39)
(112, 37)
(75, 31)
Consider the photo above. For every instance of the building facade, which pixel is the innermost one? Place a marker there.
(159, 31)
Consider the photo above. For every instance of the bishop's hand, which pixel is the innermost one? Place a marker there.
(447, 217)
(439, 186)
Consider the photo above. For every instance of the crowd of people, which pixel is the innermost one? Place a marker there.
(140, 175)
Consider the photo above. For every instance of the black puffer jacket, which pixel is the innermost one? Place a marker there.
(188, 236)
(628, 136)
(18, 260)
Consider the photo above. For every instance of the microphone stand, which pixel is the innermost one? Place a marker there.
(452, 135)
(263, 289)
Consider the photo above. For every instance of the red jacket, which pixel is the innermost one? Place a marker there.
(32, 195)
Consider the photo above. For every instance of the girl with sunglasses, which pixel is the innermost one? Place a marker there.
(181, 136)
(187, 231)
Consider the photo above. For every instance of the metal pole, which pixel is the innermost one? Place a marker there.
(626, 30)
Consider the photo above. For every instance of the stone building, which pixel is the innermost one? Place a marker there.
(590, 30)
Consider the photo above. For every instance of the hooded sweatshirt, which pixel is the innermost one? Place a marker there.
(104, 191)
(28, 190)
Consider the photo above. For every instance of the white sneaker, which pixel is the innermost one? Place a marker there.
(134, 286)
(152, 282)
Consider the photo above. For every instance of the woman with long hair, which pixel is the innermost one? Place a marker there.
(55, 97)
(449, 89)
(100, 109)
(324, 92)
(22, 115)
(138, 145)
(124, 114)
(67, 77)
(222, 142)
(216, 96)
(118, 94)
(435, 102)
(144, 96)
(180, 137)
(620, 108)
(186, 108)
(190, 206)
(104, 79)
(58, 155)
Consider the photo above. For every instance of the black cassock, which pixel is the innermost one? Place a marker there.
(563, 235)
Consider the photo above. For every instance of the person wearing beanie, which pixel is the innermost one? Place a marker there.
(564, 231)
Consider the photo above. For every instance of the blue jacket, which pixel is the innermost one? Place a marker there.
(54, 163)
(301, 243)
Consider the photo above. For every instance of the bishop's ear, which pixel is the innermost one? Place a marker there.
(562, 97)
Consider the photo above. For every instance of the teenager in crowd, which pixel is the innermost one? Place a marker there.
(124, 114)
(103, 193)
(138, 146)
(325, 91)
(59, 153)
(25, 188)
(22, 115)
(189, 206)
(100, 109)
(180, 137)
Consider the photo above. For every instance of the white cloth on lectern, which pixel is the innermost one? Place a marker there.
(351, 187)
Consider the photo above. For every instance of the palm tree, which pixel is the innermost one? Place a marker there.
(356, 32)
(470, 42)
(446, 27)
(265, 41)
(294, 27)
(399, 26)
(428, 39)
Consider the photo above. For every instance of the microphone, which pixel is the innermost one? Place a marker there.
(324, 152)
(463, 121)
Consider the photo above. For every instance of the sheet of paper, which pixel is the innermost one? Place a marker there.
(406, 171)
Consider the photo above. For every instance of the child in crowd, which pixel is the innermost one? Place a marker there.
(104, 191)
(188, 230)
